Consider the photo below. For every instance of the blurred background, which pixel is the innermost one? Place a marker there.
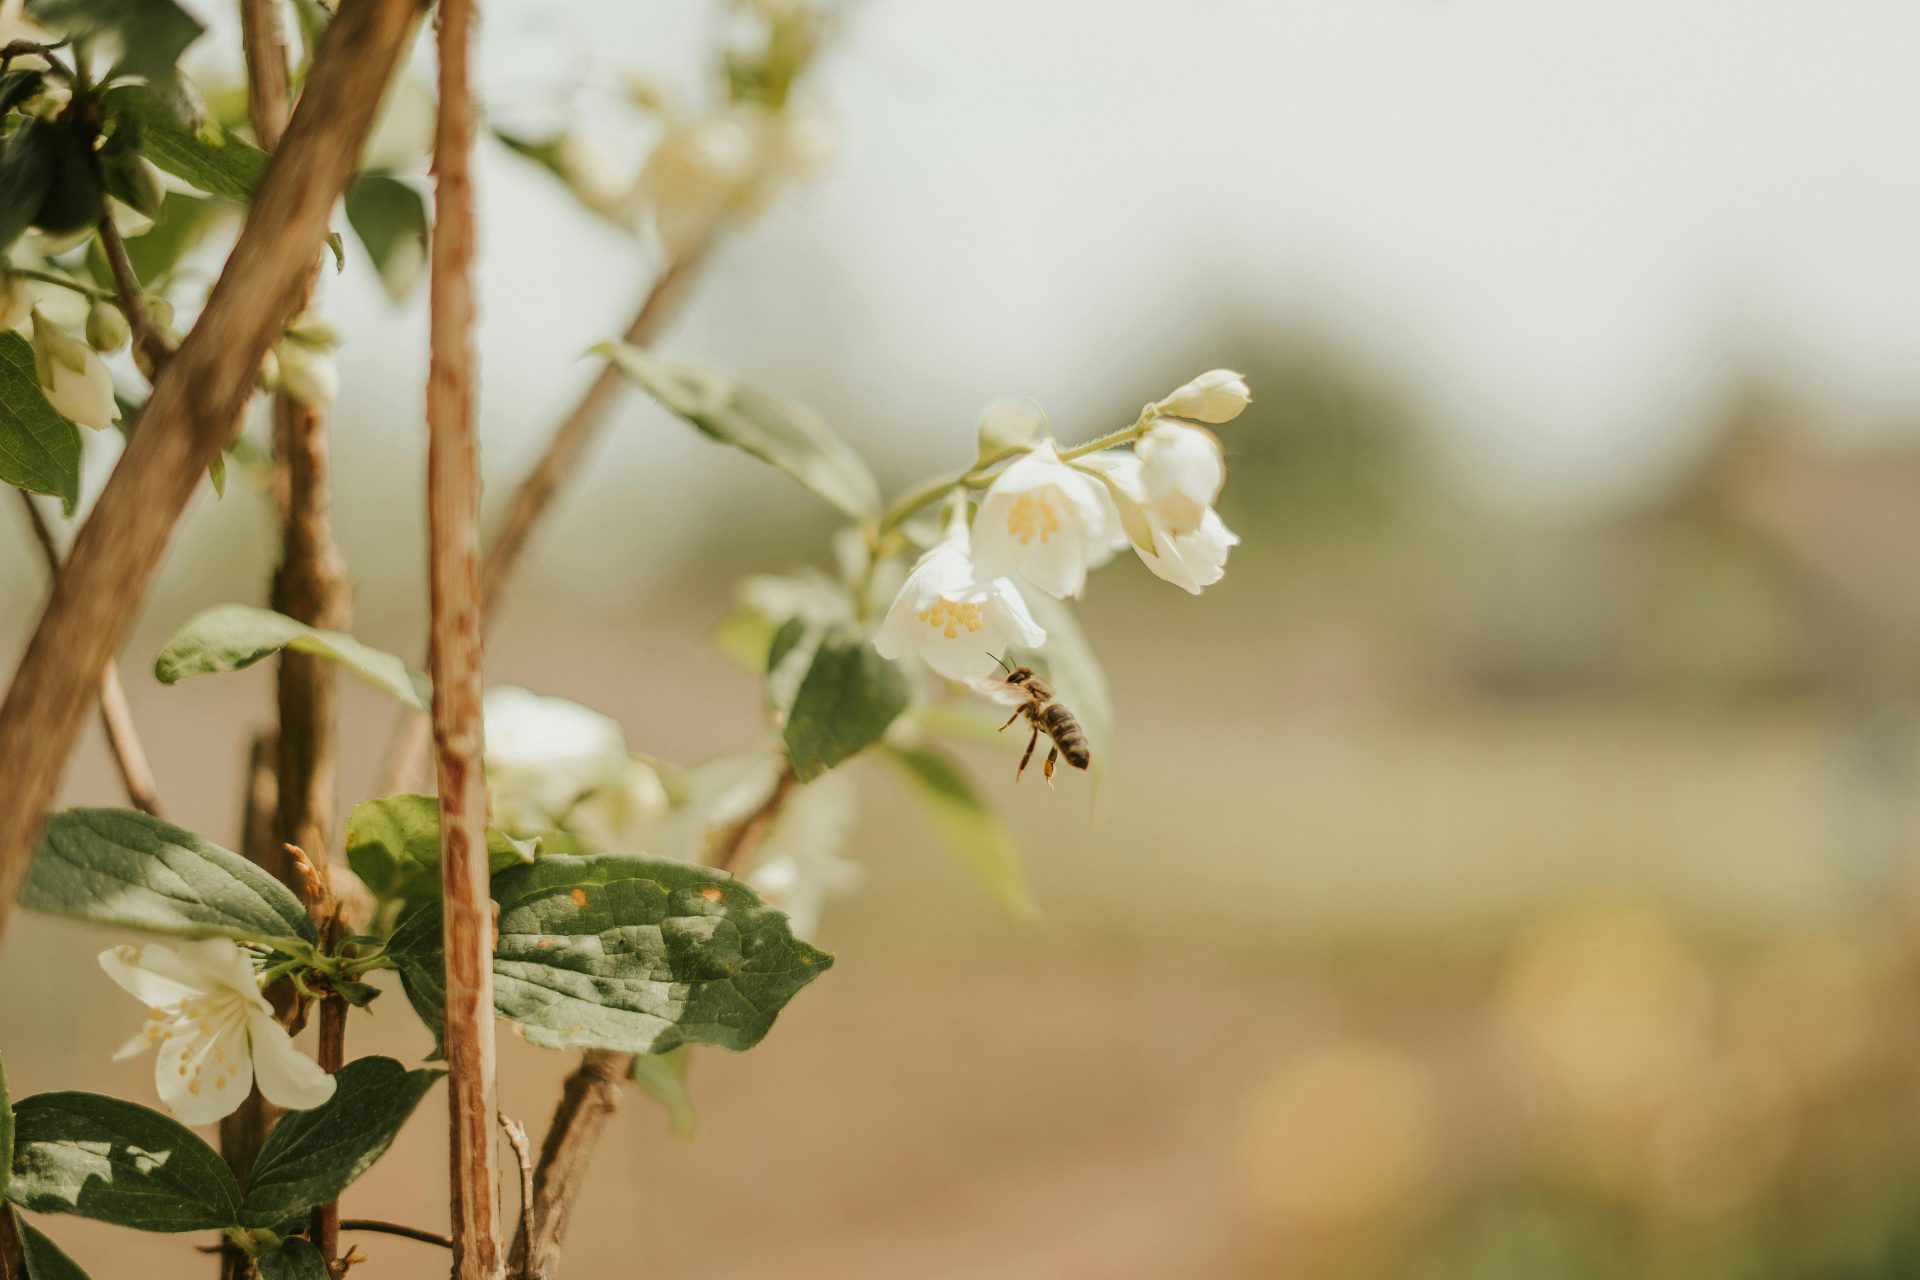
(1506, 871)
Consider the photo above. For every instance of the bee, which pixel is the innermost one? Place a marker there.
(1032, 697)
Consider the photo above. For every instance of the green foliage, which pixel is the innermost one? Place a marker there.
(631, 954)
(117, 1162)
(183, 222)
(312, 1156)
(228, 637)
(796, 440)
(25, 167)
(43, 1257)
(56, 158)
(847, 699)
(663, 1077)
(966, 825)
(39, 449)
(390, 216)
(295, 1259)
(393, 845)
(119, 867)
(207, 155)
(150, 34)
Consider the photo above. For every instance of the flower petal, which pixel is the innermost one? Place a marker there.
(287, 1077)
(154, 975)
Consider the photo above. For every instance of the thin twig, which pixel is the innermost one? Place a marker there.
(592, 1092)
(523, 1156)
(116, 717)
(406, 747)
(453, 590)
(146, 336)
(197, 398)
(397, 1229)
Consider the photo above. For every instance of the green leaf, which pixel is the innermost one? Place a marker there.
(663, 1077)
(295, 1259)
(150, 34)
(1079, 682)
(390, 217)
(114, 1161)
(39, 449)
(72, 199)
(211, 157)
(6, 1130)
(636, 955)
(184, 222)
(393, 845)
(43, 1257)
(119, 867)
(796, 440)
(26, 167)
(970, 829)
(312, 1156)
(228, 637)
(846, 701)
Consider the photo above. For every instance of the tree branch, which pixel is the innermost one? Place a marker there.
(146, 337)
(592, 1093)
(197, 399)
(453, 588)
(397, 1229)
(136, 775)
(408, 743)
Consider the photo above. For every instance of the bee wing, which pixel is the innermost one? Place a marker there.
(1007, 695)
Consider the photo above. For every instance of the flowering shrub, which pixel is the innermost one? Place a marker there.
(641, 907)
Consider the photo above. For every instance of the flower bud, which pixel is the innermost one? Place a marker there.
(270, 372)
(307, 376)
(160, 311)
(75, 379)
(107, 329)
(1181, 470)
(1007, 426)
(315, 331)
(1218, 395)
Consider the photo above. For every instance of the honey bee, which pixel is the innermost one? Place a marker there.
(1032, 697)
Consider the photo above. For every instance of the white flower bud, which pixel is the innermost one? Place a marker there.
(76, 380)
(1190, 560)
(107, 329)
(270, 372)
(1218, 395)
(1009, 425)
(313, 330)
(308, 376)
(1181, 470)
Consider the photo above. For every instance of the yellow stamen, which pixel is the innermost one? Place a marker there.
(1032, 515)
(948, 616)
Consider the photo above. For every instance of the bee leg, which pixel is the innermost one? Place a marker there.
(1023, 759)
(1047, 768)
(1012, 718)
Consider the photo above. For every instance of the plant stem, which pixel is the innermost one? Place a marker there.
(534, 498)
(453, 586)
(136, 775)
(146, 338)
(331, 1055)
(523, 1157)
(187, 420)
(64, 282)
(592, 1092)
(397, 1229)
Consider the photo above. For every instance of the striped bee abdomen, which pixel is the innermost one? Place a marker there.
(1066, 734)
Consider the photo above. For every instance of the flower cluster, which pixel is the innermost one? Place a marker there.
(1048, 517)
(70, 371)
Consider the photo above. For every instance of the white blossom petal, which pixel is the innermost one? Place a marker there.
(1218, 395)
(154, 975)
(1044, 521)
(1182, 472)
(1192, 560)
(951, 620)
(288, 1078)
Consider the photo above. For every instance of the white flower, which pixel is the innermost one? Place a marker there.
(698, 172)
(307, 375)
(1046, 521)
(1182, 471)
(215, 1031)
(548, 752)
(803, 866)
(16, 302)
(1219, 395)
(954, 620)
(1189, 560)
(75, 378)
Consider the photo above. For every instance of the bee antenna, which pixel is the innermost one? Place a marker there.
(1002, 661)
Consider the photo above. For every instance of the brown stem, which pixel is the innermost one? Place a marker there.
(456, 658)
(136, 775)
(517, 1139)
(263, 41)
(397, 1229)
(146, 337)
(13, 1261)
(406, 748)
(592, 1093)
(196, 402)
